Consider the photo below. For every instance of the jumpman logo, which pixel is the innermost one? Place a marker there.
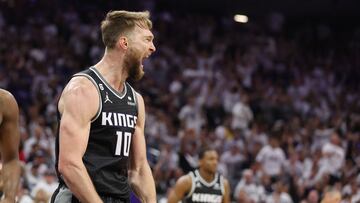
(107, 99)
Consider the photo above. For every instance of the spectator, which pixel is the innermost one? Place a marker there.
(332, 157)
(248, 187)
(280, 194)
(272, 158)
(47, 185)
(242, 114)
(313, 197)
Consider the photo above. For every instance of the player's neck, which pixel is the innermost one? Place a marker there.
(112, 69)
(207, 176)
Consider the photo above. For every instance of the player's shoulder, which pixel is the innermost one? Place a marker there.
(139, 98)
(225, 180)
(225, 184)
(8, 105)
(79, 94)
(132, 88)
(7, 99)
(185, 181)
(3, 92)
(135, 93)
(6, 95)
(80, 87)
(79, 82)
(220, 176)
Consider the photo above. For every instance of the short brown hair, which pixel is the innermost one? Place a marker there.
(120, 22)
(203, 151)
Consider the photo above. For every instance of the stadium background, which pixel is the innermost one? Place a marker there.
(290, 76)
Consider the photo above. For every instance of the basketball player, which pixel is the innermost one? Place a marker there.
(101, 146)
(9, 145)
(204, 184)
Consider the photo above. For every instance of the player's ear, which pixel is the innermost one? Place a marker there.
(123, 43)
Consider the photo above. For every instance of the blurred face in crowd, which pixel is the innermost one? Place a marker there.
(49, 177)
(248, 176)
(141, 46)
(274, 142)
(235, 149)
(313, 197)
(335, 139)
(209, 162)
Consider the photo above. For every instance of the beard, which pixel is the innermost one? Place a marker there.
(133, 65)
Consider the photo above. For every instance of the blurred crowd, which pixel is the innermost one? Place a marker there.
(280, 104)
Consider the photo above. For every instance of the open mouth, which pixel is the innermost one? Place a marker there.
(143, 60)
(142, 63)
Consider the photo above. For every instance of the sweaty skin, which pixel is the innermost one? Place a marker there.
(9, 145)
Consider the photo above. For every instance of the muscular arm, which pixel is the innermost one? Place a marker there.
(9, 145)
(141, 179)
(181, 188)
(78, 104)
(226, 198)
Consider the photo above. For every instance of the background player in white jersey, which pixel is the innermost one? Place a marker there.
(204, 184)
(9, 146)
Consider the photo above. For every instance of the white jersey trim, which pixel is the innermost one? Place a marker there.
(117, 94)
(193, 184)
(134, 95)
(222, 185)
(204, 181)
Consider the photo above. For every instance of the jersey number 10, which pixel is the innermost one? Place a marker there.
(123, 143)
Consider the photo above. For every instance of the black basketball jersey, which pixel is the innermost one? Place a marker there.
(202, 191)
(111, 131)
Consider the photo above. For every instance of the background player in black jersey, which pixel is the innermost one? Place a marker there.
(128, 42)
(204, 184)
(9, 145)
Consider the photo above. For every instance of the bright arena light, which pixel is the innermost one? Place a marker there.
(241, 18)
